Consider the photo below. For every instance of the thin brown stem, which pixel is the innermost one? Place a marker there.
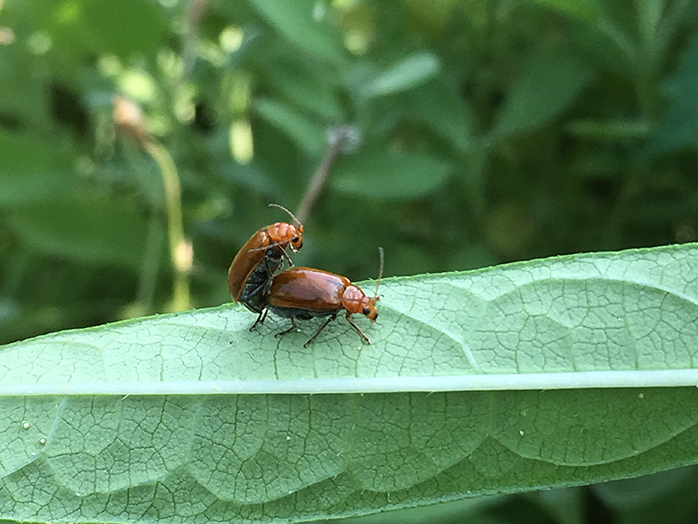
(322, 173)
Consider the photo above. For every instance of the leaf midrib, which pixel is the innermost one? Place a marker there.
(463, 382)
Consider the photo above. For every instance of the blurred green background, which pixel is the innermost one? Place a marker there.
(479, 132)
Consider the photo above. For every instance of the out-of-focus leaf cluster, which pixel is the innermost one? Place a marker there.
(482, 132)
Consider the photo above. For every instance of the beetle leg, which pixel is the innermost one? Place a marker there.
(357, 328)
(260, 319)
(312, 339)
(287, 331)
(259, 289)
(288, 258)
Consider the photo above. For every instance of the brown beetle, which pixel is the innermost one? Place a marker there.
(303, 293)
(252, 269)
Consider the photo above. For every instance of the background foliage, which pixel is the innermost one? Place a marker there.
(481, 132)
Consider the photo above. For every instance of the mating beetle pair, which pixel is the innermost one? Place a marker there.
(299, 292)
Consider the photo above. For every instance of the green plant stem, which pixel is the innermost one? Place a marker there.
(151, 263)
(178, 244)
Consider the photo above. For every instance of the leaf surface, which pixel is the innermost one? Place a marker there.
(92, 230)
(543, 370)
(389, 176)
(33, 170)
(543, 92)
(304, 24)
(409, 72)
(307, 134)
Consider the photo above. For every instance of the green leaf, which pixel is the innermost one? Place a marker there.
(122, 27)
(609, 130)
(530, 375)
(21, 92)
(441, 107)
(306, 86)
(33, 169)
(667, 496)
(411, 71)
(307, 135)
(91, 230)
(389, 176)
(543, 92)
(638, 493)
(678, 127)
(299, 22)
(586, 10)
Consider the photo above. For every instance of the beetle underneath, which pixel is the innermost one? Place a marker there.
(302, 293)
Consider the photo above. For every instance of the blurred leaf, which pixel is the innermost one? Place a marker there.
(566, 505)
(32, 151)
(666, 496)
(193, 417)
(122, 27)
(33, 169)
(586, 10)
(249, 176)
(543, 92)
(35, 185)
(308, 135)
(436, 16)
(510, 228)
(441, 107)
(22, 92)
(456, 512)
(643, 491)
(679, 126)
(613, 130)
(96, 231)
(408, 259)
(297, 23)
(411, 71)
(389, 176)
(306, 86)
(470, 256)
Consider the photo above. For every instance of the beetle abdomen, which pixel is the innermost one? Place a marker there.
(254, 292)
(299, 313)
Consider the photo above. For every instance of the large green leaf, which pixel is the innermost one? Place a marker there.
(33, 169)
(306, 86)
(499, 380)
(120, 26)
(93, 230)
(409, 72)
(679, 125)
(303, 23)
(307, 134)
(389, 176)
(545, 89)
(586, 10)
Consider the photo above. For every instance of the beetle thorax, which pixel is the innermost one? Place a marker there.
(284, 234)
(354, 300)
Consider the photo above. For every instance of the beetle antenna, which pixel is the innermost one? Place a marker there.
(289, 213)
(380, 272)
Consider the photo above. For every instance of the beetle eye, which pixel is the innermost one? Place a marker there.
(366, 311)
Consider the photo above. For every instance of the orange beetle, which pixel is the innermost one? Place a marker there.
(303, 293)
(254, 265)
